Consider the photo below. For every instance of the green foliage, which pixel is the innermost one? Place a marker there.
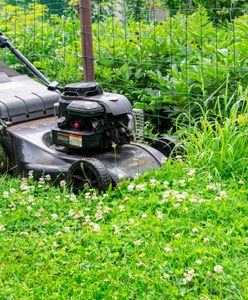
(173, 66)
(218, 143)
(193, 61)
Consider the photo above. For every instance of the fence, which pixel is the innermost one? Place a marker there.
(167, 60)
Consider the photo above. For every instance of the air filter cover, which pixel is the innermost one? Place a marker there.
(85, 109)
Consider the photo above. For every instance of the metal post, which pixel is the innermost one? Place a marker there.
(87, 39)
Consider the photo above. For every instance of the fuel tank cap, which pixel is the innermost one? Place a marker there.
(83, 88)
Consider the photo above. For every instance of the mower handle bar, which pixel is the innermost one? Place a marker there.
(4, 42)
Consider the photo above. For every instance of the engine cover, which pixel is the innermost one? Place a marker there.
(91, 119)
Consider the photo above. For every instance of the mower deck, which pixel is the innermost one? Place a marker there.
(36, 152)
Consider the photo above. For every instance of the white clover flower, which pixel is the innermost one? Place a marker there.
(144, 216)
(117, 231)
(48, 177)
(189, 276)
(166, 184)
(2, 228)
(107, 209)
(131, 221)
(87, 195)
(153, 182)
(62, 183)
(96, 228)
(67, 229)
(137, 243)
(30, 199)
(54, 216)
(12, 191)
(218, 269)
(186, 208)
(87, 220)
(164, 160)
(100, 203)
(177, 235)
(121, 208)
(195, 230)
(241, 181)
(55, 244)
(198, 262)
(166, 195)
(141, 187)
(41, 180)
(31, 175)
(23, 233)
(182, 182)
(179, 158)
(58, 233)
(94, 196)
(213, 186)
(99, 215)
(73, 198)
(159, 215)
(193, 199)
(71, 213)
(37, 215)
(191, 172)
(168, 250)
(223, 194)
(205, 240)
(12, 206)
(5, 194)
(29, 208)
(130, 187)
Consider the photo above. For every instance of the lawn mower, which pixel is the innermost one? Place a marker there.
(77, 134)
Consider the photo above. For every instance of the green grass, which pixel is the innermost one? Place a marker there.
(152, 233)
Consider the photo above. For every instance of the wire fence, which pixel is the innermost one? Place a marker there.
(166, 59)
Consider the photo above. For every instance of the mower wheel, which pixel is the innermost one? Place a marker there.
(169, 146)
(88, 172)
(3, 160)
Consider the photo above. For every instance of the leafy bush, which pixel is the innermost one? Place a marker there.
(172, 66)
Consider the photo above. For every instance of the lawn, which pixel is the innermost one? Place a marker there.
(176, 233)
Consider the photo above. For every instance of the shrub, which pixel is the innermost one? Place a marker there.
(172, 66)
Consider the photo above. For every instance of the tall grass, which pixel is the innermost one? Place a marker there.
(219, 144)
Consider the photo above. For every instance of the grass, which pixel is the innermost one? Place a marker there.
(171, 234)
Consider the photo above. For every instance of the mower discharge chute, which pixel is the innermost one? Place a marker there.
(78, 133)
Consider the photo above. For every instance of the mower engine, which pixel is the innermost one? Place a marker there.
(91, 119)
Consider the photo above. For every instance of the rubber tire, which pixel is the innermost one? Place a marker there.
(169, 146)
(93, 166)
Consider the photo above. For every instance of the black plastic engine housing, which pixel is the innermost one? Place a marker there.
(91, 119)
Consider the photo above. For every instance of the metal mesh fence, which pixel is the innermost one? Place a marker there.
(165, 59)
